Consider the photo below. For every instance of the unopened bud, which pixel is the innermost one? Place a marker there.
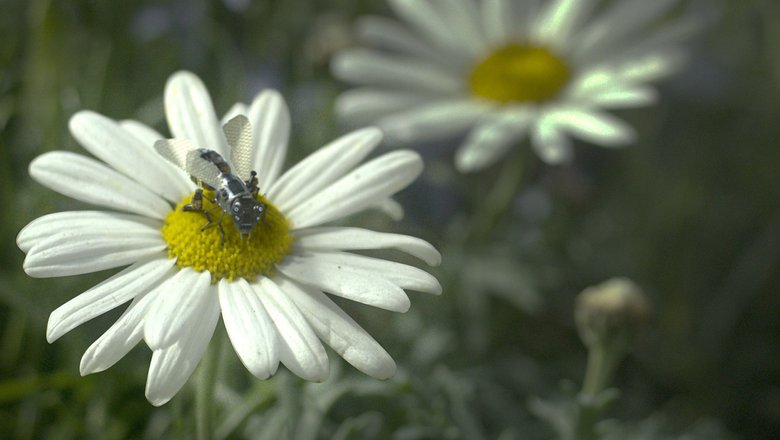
(611, 312)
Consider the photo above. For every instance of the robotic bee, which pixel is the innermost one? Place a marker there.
(233, 195)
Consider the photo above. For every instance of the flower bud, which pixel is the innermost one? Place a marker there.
(611, 312)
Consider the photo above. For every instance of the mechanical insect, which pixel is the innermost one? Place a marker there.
(233, 196)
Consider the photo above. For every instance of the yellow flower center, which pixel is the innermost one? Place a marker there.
(519, 73)
(201, 247)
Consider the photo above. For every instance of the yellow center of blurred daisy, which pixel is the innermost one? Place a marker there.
(519, 73)
(234, 257)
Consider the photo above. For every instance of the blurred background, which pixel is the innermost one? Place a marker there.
(690, 213)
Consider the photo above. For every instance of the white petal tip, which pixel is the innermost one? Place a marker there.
(87, 368)
(32, 269)
(468, 161)
(371, 136)
(319, 377)
(262, 375)
(182, 75)
(52, 332)
(78, 120)
(156, 337)
(433, 258)
(157, 400)
(385, 373)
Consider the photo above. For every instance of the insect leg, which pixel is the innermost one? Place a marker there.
(252, 183)
(209, 221)
(221, 230)
(196, 204)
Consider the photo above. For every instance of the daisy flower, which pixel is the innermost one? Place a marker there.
(268, 287)
(501, 71)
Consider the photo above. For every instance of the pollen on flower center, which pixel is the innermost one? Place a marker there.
(519, 73)
(202, 248)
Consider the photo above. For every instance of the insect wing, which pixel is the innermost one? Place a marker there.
(238, 132)
(202, 169)
(175, 150)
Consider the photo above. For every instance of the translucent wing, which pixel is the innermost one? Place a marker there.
(202, 169)
(238, 132)
(175, 150)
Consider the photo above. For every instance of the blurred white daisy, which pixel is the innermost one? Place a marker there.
(506, 70)
(180, 279)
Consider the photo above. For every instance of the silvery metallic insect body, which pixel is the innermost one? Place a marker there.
(234, 194)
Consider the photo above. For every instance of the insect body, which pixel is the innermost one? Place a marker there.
(236, 197)
(235, 194)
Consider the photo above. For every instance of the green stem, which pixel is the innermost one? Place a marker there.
(496, 203)
(204, 395)
(603, 359)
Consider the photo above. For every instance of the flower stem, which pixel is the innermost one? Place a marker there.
(496, 203)
(602, 361)
(204, 394)
(603, 358)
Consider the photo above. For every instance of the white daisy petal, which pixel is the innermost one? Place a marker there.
(391, 208)
(430, 20)
(463, 16)
(191, 114)
(650, 67)
(92, 182)
(388, 34)
(367, 67)
(620, 97)
(341, 238)
(611, 27)
(184, 299)
(591, 81)
(172, 366)
(505, 21)
(462, 26)
(402, 275)
(550, 144)
(179, 179)
(112, 144)
(665, 38)
(111, 293)
(663, 42)
(354, 284)
(300, 350)
(560, 20)
(497, 20)
(340, 331)
(489, 141)
(119, 339)
(592, 126)
(92, 247)
(249, 327)
(323, 167)
(439, 119)
(363, 105)
(142, 132)
(271, 121)
(358, 190)
(75, 222)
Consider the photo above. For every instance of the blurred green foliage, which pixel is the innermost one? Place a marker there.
(690, 213)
